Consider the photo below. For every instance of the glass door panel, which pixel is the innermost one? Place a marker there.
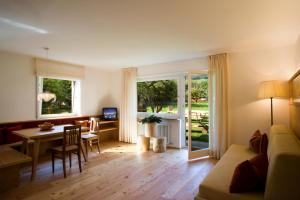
(196, 114)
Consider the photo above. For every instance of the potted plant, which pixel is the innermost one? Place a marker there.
(150, 124)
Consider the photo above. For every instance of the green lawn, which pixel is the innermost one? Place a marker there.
(200, 106)
(198, 133)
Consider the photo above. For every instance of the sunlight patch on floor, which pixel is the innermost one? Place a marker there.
(122, 149)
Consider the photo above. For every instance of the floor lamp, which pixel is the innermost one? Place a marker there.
(273, 89)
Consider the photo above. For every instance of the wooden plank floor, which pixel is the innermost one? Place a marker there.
(119, 172)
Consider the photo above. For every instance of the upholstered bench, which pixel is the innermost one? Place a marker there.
(10, 162)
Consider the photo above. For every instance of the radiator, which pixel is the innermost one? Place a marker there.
(163, 130)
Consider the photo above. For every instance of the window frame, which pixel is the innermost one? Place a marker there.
(178, 78)
(76, 98)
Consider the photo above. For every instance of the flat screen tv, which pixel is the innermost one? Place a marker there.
(110, 113)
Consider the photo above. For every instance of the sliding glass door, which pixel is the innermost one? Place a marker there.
(197, 114)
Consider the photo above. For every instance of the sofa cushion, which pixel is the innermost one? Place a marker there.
(215, 186)
(277, 129)
(283, 178)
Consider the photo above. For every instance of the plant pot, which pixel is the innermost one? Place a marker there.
(149, 129)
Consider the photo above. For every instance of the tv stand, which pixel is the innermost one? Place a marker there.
(108, 130)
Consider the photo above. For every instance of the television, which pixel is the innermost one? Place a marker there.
(110, 113)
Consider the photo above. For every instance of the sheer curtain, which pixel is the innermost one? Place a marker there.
(218, 104)
(128, 111)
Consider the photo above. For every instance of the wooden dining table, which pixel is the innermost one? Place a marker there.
(38, 136)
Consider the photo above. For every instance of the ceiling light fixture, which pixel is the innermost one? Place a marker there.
(46, 96)
(23, 26)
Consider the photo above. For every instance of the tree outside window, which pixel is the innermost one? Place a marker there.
(157, 96)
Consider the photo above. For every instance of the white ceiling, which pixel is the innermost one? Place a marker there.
(117, 33)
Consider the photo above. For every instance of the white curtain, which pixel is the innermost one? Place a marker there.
(128, 111)
(218, 105)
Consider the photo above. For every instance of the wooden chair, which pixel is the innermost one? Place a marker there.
(94, 125)
(92, 137)
(71, 144)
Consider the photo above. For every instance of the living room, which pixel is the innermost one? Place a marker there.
(105, 50)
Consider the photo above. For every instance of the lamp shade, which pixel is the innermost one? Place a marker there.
(273, 89)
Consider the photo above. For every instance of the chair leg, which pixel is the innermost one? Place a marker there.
(86, 148)
(98, 145)
(79, 160)
(70, 159)
(91, 145)
(53, 162)
(84, 155)
(64, 165)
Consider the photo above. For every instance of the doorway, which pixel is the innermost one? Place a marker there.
(196, 114)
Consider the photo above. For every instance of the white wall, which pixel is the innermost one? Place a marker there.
(297, 54)
(116, 88)
(174, 67)
(18, 89)
(96, 91)
(246, 71)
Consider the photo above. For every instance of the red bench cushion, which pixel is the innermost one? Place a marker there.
(2, 136)
(12, 138)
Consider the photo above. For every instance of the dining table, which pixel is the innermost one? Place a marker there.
(38, 136)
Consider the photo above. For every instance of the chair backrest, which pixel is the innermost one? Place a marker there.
(72, 136)
(94, 126)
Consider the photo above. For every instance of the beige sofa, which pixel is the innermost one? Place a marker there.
(283, 180)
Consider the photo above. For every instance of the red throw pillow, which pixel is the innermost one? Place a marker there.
(250, 175)
(261, 163)
(254, 143)
(12, 138)
(244, 178)
(258, 142)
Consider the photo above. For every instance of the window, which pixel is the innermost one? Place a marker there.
(64, 102)
(158, 96)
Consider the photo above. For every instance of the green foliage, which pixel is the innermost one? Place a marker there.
(156, 95)
(151, 119)
(199, 89)
(63, 91)
(203, 122)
